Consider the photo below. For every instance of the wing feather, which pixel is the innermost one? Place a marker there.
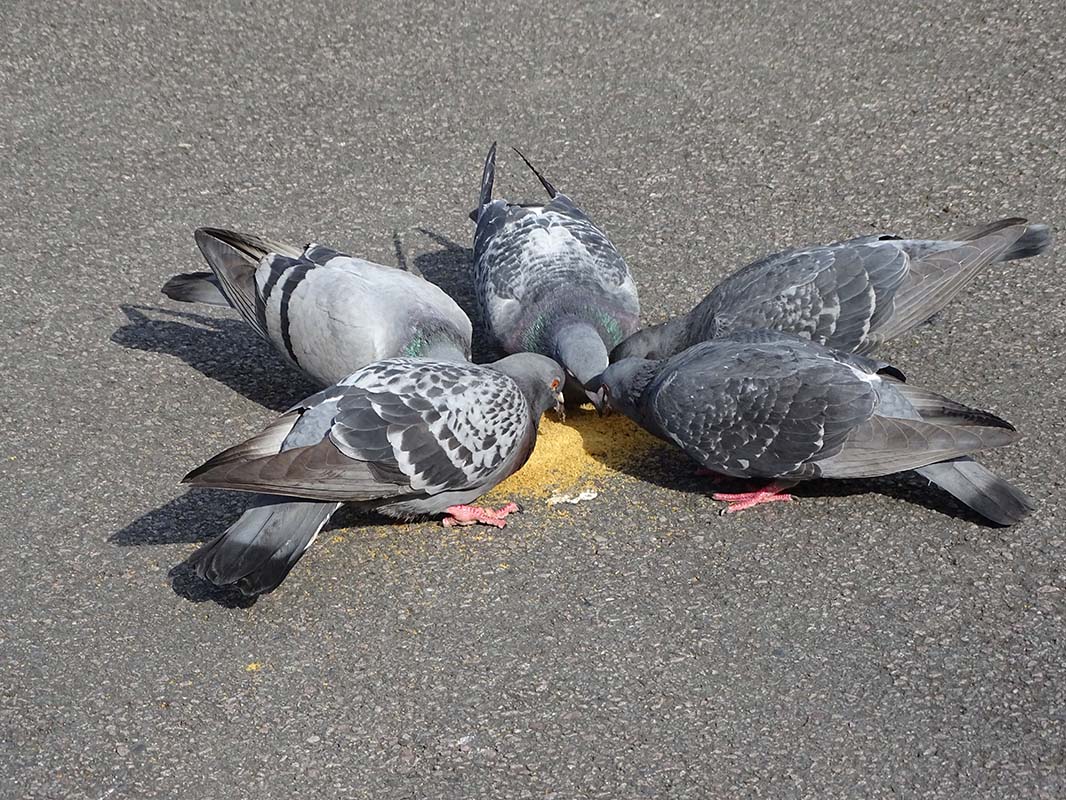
(759, 409)
(400, 427)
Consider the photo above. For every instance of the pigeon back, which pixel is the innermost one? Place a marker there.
(404, 435)
(336, 316)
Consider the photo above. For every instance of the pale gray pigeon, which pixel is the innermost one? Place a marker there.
(549, 281)
(403, 437)
(325, 312)
(763, 404)
(850, 296)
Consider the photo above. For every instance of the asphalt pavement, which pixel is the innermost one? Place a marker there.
(870, 640)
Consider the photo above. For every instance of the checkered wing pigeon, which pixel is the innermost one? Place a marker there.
(770, 405)
(325, 312)
(549, 281)
(404, 437)
(850, 296)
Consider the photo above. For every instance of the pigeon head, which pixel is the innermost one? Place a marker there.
(621, 385)
(655, 341)
(540, 378)
(578, 346)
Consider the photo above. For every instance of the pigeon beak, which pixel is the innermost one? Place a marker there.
(599, 402)
(559, 408)
(597, 394)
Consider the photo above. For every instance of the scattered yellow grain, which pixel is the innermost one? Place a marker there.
(255, 666)
(577, 454)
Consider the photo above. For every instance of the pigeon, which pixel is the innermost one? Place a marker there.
(764, 404)
(326, 313)
(549, 281)
(404, 437)
(849, 296)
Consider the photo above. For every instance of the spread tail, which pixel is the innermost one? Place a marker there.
(980, 489)
(257, 551)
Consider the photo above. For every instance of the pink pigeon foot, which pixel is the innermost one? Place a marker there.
(472, 515)
(770, 493)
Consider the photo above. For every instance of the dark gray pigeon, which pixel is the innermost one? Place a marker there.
(404, 437)
(325, 312)
(762, 404)
(549, 281)
(850, 296)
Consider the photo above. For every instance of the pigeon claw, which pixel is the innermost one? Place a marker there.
(472, 515)
(745, 500)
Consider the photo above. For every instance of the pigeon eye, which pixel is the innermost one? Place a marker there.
(555, 384)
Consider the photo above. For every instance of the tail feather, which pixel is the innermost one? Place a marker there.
(257, 551)
(1037, 239)
(979, 231)
(253, 247)
(551, 190)
(937, 277)
(981, 489)
(234, 259)
(488, 175)
(196, 287)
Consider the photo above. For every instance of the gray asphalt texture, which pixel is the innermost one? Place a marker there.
(871, 640)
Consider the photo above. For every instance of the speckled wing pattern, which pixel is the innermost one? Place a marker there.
(401, 427)
(833, 295)
(446, 426)
(751, 409)
(525, 254)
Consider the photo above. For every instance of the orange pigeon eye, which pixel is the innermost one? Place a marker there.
(555, 384)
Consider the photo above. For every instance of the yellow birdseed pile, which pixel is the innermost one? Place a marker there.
(575, 455)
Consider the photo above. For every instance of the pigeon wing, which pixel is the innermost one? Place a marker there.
(758, 410)
(933, 279)
(883, 445)
(830, 295)
(401, 427)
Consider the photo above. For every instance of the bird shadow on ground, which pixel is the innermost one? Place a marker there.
(198, 516)
(225, 350)
(452, 269)
(194, 517)
(663, 465)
